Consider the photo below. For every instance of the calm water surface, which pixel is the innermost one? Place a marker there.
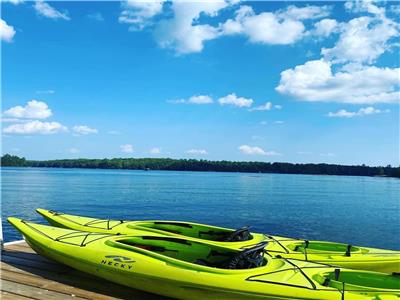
(356, 210)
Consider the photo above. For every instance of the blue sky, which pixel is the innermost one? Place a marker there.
(268, 81)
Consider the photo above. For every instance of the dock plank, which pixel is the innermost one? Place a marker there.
(33, 292)
(51, 285)
(10, 296)
(26, 275)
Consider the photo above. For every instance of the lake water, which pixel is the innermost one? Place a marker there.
(357, 210)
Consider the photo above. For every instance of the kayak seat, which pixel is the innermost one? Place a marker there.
(239, 235)
(247, 259)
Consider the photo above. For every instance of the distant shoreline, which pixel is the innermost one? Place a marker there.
(169, 164)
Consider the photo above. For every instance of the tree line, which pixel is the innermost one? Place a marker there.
(170, 164)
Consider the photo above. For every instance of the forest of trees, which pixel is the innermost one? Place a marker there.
(203, 165)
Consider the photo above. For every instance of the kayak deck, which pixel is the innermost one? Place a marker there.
(26, 275)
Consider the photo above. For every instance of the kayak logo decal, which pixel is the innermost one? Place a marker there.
(118, 261)
(120, 258)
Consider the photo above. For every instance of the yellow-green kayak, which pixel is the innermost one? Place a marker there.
(187, 268)
(336, 254)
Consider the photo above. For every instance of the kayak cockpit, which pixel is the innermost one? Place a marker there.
(324, 248)
(194, 230)
(185, 251)
(352, 280)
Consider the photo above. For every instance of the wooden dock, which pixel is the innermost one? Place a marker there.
(26, 275)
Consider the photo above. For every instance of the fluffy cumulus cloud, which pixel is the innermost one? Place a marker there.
(315, 81)
(254, 150)
(45, 10)
(362, 40)
(275, 28)
(127, 148)
(325, 27)
(197, 152)
(84, 130)
(197, 99)
(234, 100)
(182, 32)
(265, 28)
(185, 26)
(7, 32)
(138, 14)
(306, 12)
(35, 127)
(32, 110)
(342, 113)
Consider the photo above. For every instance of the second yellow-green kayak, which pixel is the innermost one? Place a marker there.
(336, 254)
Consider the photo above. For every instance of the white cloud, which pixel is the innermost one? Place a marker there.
(360, 6)
(277, 106)
(84, 130)
(362, 40)
(246, 149)
(73, 150)
(180, 27)
(113, 132)
(182, 32)
(197, 152)
(96, 16)
(234, 100)
(201, 99)
(14, 120)
(7, 32)
(15, 2)
(263, 123)
(155, 150)
(283, 27)
(325, 27)
(263, 107)
(315, 81)
(45, 92)
(264, 28)
(45, 10)
(32, 110)
(127, 148)
(342, 113)
(197, 99)
(279, 122)
(306, 12)
(138, 14)
(35, 127)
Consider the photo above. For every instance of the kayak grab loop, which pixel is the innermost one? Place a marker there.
(278, 242)
(102, 222)
(86, 236)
